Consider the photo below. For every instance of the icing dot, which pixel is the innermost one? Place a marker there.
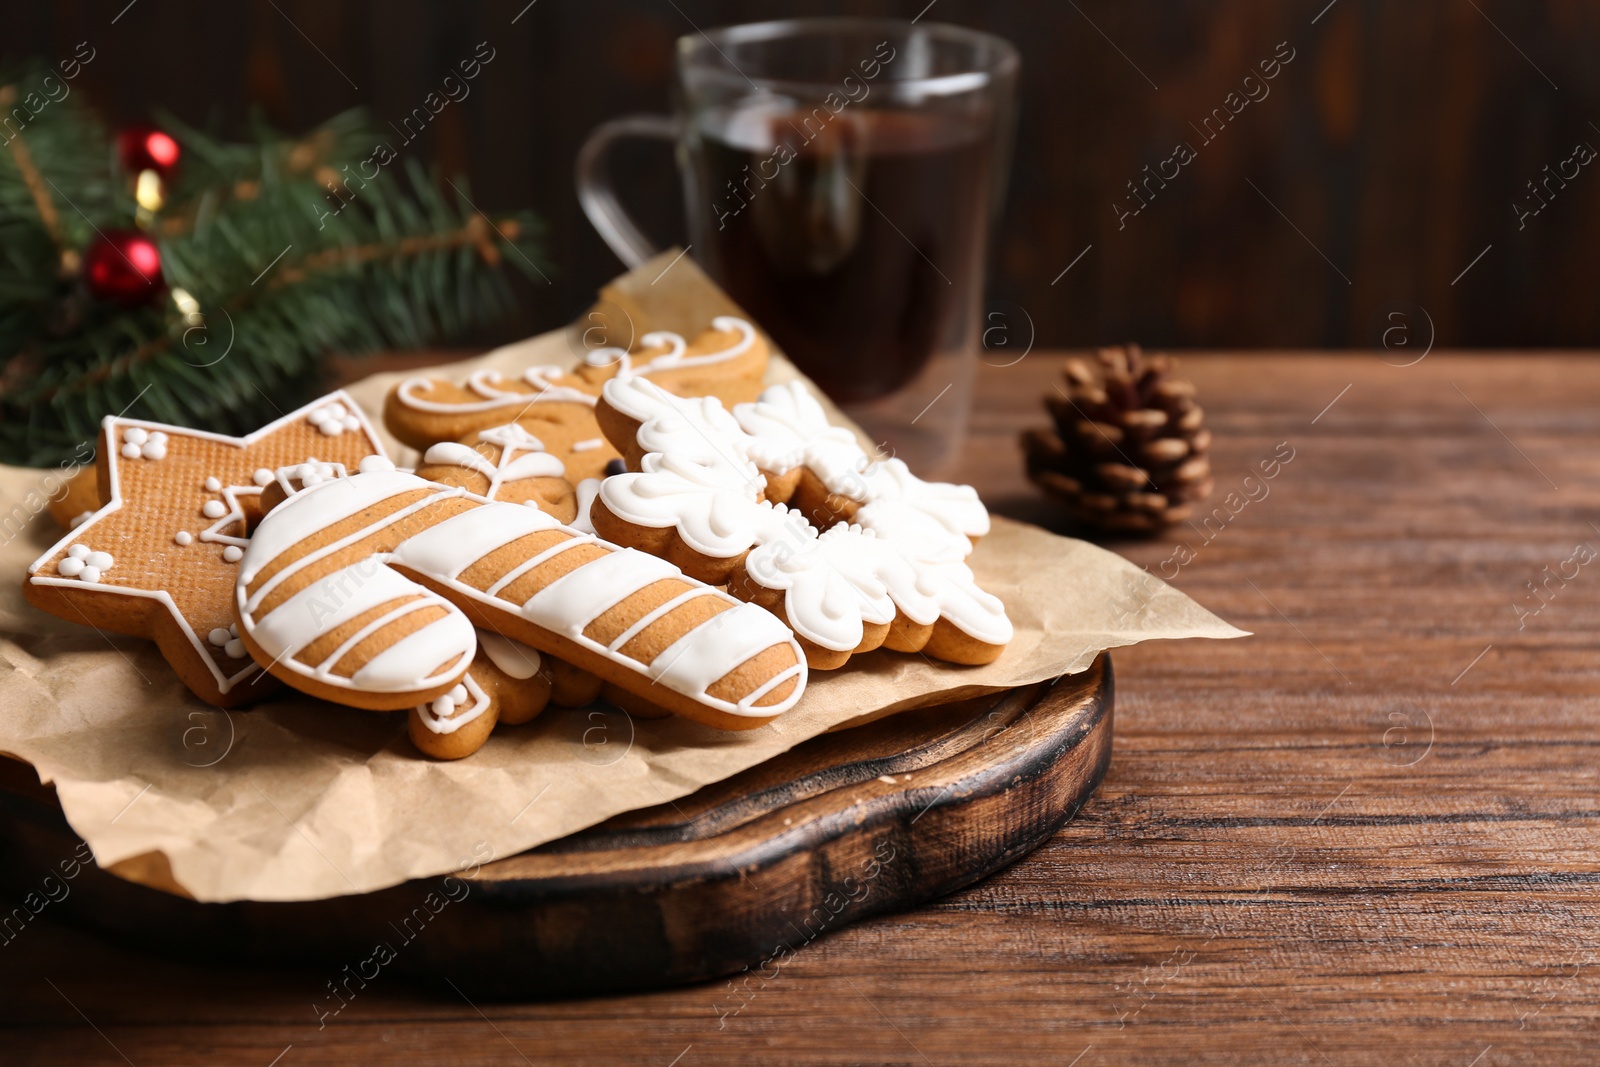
(587, 446)
(135, 436)
(219, 637)
(213, 509)
(334, 410)
(233, 553)
(89, 574)
(156, 450)
(78, 551)
(234, 648)
(374, 463)
(70, 567)
(102, 560)
(233, 628)
(158, 438)
(458, 695)
(130, 452)
(443, 706)
(262, 476)
(183, 537)
(213, 486)
(350, 422)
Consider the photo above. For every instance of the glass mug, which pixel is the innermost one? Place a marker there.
(840, 177)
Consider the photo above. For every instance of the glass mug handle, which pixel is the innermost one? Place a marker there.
(597, 194)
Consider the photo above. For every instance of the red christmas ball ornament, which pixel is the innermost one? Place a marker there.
(141, 148)
(123, 266)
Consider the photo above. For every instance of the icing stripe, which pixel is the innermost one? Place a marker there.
(331, 660)
(340, 545)
(327, 604)
(768, 686)
(460, 541)
(652, 615)
(570, 603)
(527, 565)
(698, 659)
(322, 505)
(441, 646)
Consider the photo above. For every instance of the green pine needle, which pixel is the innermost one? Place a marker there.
(284, 271)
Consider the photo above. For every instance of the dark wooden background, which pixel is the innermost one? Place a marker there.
(1396, 142)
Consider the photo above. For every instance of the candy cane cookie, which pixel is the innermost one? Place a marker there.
(366, 589)
(793, 515)
(727, 360)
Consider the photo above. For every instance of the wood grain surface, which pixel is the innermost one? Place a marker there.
(734, 879)
(1368, 835)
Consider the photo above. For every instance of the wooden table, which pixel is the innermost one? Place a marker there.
(1370, 834)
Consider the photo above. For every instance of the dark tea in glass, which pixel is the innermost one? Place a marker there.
(850, 241)
(840, 176)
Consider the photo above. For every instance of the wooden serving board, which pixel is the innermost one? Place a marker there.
(742, 873)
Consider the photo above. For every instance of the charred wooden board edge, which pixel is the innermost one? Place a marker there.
(660, 912)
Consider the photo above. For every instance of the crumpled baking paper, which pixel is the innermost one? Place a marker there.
(298, 799)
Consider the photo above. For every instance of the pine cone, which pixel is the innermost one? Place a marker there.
(1129, 449)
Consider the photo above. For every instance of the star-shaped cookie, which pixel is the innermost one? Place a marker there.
(160, 558)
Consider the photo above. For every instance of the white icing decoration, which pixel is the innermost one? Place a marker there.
(232, 554)
(515, 659)
(219, 637)
(214, 509)
(213, 485)
(140, 443)
(487, 384)
(442, 552)
(587, 490)
(588, 445)
(262, 477)
(445, 716)
(234, 649)
(333, 419)
(522, 456)
(115, 427)
(702, 476)
(183, 537)
(375, 463)
(83, 565)
(79, 519)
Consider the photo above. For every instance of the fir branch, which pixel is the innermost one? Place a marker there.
(288, 254)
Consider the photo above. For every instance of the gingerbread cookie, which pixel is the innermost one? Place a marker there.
(508, 683)
(79, 499)
(793, 515)
(505, 463)
(160, 558)
(557, 406)
(365, 590)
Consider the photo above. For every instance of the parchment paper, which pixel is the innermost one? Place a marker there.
(298, 799)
